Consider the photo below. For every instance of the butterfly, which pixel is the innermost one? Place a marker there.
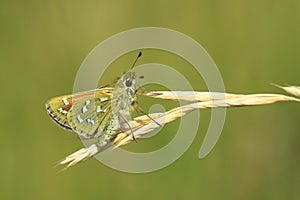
(100, 113)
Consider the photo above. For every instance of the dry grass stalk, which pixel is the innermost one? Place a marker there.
(203, 100)
(294, 90)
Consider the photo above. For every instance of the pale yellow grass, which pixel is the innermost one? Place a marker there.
(142, 125)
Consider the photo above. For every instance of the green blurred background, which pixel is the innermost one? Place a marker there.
(253, 43)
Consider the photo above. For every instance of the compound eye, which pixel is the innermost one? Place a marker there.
(128, 83)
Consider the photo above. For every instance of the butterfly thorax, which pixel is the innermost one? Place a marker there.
(124, 97)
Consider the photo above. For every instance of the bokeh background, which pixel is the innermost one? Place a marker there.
(254, 43)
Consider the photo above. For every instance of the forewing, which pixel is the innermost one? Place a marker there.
(58, 108)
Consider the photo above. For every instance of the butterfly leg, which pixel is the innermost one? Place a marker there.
(129, 127)
(139, 109)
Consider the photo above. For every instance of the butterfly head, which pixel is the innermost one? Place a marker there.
(129, 80)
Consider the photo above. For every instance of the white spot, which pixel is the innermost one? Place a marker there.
(103, 99)
(87, 102)
(84, 109)
(99, 109)
(65, 101)
(62, 111)
(79, 119)
(90, 121)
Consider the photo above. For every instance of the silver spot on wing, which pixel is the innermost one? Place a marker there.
(99, 109)
(65, 101)
(79, 119)
(87, 102)
(103, 99)
(90, 121)
(84, 109)
(62, 111)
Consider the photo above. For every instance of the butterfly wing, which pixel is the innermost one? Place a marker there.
(90, 113)
(58, 108)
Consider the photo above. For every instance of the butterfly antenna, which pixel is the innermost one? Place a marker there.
(138, 56)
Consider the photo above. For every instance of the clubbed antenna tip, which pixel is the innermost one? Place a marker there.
(140, 54)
